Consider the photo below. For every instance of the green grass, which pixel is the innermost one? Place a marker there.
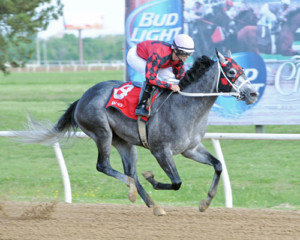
(263, 174)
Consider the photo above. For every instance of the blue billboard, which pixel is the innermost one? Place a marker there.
(264, 37)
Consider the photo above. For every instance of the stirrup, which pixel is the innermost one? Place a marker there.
(142, 112)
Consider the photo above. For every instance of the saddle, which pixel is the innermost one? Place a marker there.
(125, 99)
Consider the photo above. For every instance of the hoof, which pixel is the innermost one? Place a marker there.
(157, 211)
(132, 193)
(203, 205)
(148, 174)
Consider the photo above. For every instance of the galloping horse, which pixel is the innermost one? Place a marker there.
(177, 127)
(244, 18)
(247, 36)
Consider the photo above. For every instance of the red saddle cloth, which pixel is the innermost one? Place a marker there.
(125, 99)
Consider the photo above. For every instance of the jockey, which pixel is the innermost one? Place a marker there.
(161, 63)
(229, 9)
(271, 14)
(198, 9)
(228, 5)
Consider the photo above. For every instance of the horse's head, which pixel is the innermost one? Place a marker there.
(246, 17)
(233, 79)
(219, 16)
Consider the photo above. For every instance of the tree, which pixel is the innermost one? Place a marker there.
(20, 20)
(105, 48)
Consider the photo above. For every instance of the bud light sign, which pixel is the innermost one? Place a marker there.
(154, 20)
(151, 20)
(255, 70)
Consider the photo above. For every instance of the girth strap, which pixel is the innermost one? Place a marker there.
(142, 131)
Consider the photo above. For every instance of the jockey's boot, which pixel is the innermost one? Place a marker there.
(141, 108)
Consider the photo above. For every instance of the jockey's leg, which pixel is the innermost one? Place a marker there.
(139, 65)
(136, 62)
(141, 108)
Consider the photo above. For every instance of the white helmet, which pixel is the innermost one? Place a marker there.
(287, 2)
(184, 43)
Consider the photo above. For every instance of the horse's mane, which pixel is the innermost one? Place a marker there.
(292, 13)
(242, 13)
(200, 66)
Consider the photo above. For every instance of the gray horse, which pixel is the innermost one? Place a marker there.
(176, 127)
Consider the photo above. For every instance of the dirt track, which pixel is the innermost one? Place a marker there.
(106, 221)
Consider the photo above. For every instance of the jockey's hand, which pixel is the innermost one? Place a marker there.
(175, 88)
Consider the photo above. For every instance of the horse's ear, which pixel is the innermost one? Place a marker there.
(220, 56)
(229, 53)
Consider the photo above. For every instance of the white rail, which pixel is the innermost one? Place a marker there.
(215, 137)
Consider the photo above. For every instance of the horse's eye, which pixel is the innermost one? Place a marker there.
(231, 72)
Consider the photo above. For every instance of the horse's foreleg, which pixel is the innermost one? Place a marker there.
(201, 155)
(167, 163)
(288, 52)
(149, 176)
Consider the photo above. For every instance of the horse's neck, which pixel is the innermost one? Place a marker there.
(246, 17)
(292, 24)
(207, 83)
(198, 106)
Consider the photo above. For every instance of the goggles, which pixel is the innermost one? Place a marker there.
(183, 53)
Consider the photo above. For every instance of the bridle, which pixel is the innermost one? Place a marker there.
(233, 84)
(236, 94)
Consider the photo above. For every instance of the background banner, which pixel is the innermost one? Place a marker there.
(264, 37)
(151, 19)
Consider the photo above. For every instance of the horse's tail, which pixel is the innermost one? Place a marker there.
(47, 133)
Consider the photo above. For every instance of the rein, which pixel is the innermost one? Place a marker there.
(163, 102)
(207, 94)
(220, 70)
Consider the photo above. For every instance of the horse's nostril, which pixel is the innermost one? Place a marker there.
(253, 94)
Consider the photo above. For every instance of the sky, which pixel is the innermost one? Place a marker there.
(88, 11)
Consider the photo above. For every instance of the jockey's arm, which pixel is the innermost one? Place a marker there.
(152, 67)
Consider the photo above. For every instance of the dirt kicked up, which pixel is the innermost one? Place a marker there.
(38, 221)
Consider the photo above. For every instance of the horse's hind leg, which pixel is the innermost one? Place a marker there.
(103, 139)
(128, 154)
(201, 155)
